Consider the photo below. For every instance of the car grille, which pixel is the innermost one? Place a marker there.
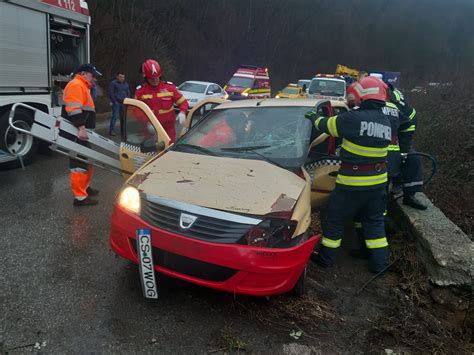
(188, 266)
(204, 228)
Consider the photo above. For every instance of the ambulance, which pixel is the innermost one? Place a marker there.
(249, 82)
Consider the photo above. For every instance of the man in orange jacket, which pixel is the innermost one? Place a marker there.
(161, 96)
(79, 109)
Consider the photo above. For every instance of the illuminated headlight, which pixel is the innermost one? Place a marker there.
(277, 97)
(129, 199)
(245, 94)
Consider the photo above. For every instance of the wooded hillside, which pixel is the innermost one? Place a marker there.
(427, 40)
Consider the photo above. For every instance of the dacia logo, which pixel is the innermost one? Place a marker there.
(186, 220)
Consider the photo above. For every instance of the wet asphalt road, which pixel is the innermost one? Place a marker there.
(61, 283)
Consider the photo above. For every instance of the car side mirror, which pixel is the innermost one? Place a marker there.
(209, 93)
(150, 146)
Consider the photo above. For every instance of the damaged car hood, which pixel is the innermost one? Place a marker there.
(229, 184)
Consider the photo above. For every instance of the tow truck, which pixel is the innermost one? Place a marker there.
(327, 87)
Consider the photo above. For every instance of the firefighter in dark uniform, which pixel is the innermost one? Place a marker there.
(361, 182)
(399, 125)
(411, 169)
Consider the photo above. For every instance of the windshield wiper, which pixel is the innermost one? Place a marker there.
(195, 147)
(247, 148)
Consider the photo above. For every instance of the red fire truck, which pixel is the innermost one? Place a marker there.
(41, 43)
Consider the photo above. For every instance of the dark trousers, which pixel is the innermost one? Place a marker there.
(412, 175)
(116, 114)
(344, 205)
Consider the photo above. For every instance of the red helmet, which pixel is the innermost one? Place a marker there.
(371, 88)
(353, 98)
(151, 69)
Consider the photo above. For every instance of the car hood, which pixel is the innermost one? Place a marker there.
(229, 184)
(235, 89)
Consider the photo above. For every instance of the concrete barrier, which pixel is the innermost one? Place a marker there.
(446, 251)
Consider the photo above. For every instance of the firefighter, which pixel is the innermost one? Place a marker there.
(362, 178)
(79, 109)
(411, 170)
(161, 96)
(399, 125)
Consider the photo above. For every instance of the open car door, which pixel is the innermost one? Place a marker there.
(322, 164)
(143, 137)
(199, 111)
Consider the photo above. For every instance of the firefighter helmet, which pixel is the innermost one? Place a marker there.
(371, 88)
(353, 98)
(151, 69)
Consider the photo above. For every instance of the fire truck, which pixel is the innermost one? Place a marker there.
(42, 42)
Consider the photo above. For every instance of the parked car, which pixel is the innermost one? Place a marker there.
(229, 204)
(196, 91)
(291, 91)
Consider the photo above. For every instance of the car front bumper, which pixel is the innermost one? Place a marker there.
(233, 268)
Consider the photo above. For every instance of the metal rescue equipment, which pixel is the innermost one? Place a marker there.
(103, 152)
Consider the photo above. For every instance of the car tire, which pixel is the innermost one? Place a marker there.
(16, 142)
(300, 287)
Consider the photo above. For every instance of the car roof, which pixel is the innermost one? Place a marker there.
(199, 82)
(326, 78)
(270, 103)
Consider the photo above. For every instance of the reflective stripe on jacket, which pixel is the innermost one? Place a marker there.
(161, 100)
(78, 104)
(366, 134)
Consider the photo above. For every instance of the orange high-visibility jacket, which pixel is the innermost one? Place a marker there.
(78, 105)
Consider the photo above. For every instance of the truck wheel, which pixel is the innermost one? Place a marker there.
(300, 287)
(15, 142)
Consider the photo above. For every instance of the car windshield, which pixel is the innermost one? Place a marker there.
(193, 87)
(241, 82)
(327, 87)
(303, 82)
(290, 90)
(279, 135)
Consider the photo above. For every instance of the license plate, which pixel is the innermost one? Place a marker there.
(145, 262)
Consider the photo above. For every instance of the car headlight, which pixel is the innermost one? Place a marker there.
(277, 97)
(245, 94)
(271, 233)
(193, 100)
(129, 199)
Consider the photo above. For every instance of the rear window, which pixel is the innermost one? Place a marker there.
(290, 90)
(327, 87)
(193, 87)
(241, 82)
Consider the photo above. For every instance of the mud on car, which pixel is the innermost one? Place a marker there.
(228, 206)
